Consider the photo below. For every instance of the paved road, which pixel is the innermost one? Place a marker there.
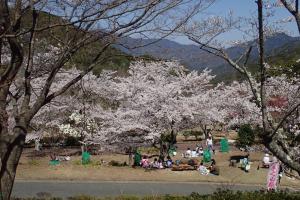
(66, 189)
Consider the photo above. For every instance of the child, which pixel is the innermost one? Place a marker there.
(155, 163)
(145, 162)
(213, 168)
(160, 164)
(202, 169)
(169, 162)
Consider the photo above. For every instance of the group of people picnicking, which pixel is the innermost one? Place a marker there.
(159, 164)
(156, 163)
(199, 150)
(188, 159)
(205, 167)
(210, 167)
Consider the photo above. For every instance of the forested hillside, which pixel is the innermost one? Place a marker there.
(112, 58)
(282, 50)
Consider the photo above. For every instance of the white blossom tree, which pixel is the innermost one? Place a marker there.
(68, 27)
(259, 84)
(154, 97)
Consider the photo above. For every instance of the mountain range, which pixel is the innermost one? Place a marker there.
(197, 59)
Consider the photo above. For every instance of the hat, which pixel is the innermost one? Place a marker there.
(266, 155)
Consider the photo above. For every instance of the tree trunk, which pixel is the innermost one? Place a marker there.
(163, 150)
(11, 147)
(205, 130)
(282, 156)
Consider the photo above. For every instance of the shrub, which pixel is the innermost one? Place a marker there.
(186, 134)
(51, 140)
(72, 141)
(196, 134)
(218, 195)
(246, 136)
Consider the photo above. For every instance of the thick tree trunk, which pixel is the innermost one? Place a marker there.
(204, 130)
(278, 151)
(11, 147)
(163, 150)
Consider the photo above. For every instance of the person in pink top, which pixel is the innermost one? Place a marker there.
(145, 162)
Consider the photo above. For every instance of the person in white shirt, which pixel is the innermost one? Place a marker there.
(266, 160)
(209, 143)
(194, 154)
(188, 153)
(199, 150)
(202, 169)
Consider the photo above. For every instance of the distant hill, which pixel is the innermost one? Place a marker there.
(195, 58)
(281, 49)
(115, 59)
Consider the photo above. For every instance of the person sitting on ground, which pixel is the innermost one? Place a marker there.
(266, 161)
(246, 163)
(53, 157)
(188, 153)
(213, 168)
(155, 163)
(169, 162)
(202, 169)
(160, 164)
(199, 151)
(145, 162)
(194, 153)
(54, 160)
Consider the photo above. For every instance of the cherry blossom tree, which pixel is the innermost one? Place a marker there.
(259, 84)
(154, 97)
(66, 28)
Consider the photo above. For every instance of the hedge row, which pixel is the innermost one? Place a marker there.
(219, 195)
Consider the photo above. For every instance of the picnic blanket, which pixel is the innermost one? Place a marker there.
(186, 164)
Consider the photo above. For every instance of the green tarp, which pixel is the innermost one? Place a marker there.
(224, 145)
(137, 159)
(86, 158)
(54, 162)
(206, 156)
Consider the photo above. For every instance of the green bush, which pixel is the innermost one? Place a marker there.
(196, 134)
(246, 136)
(72, 141)
(186, 134)
(218, 195)
(189, 133)
(257, 195)
(51, 140)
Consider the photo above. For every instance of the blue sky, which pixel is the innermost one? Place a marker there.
(241, 8)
